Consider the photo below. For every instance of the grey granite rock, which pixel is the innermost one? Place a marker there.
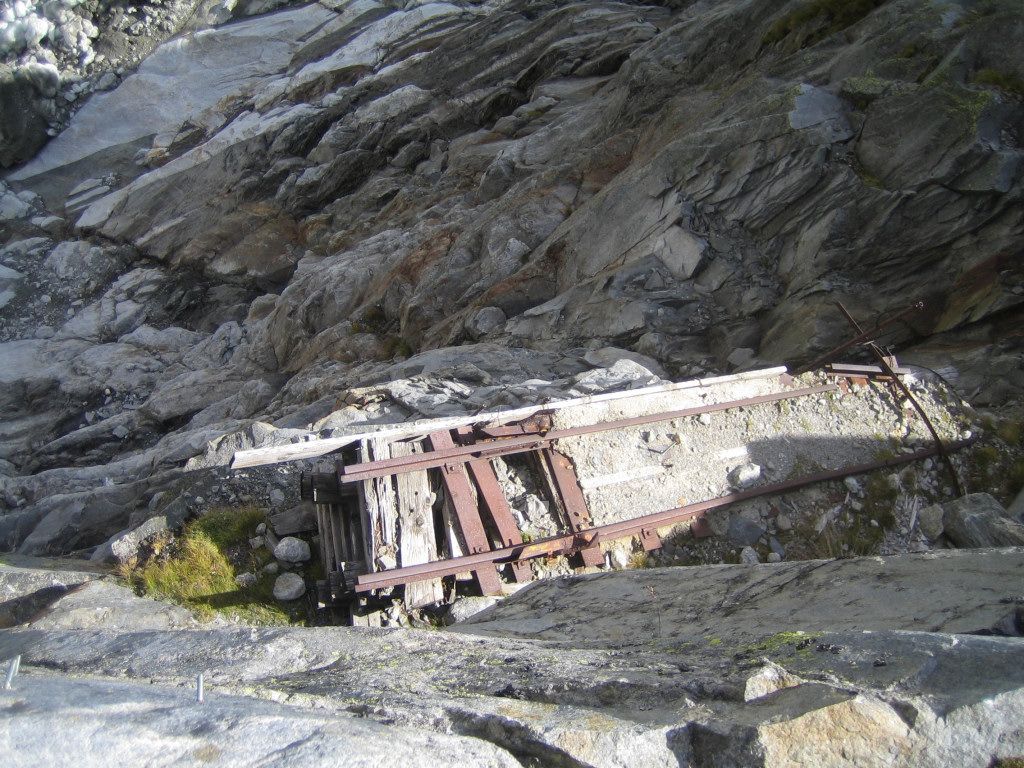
(813, 663)
(978, 520)
(289, 586)
(292, 550)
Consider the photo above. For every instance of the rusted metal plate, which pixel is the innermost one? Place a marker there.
(467, 512)
(649, 539)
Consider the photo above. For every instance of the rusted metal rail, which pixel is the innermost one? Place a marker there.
(883, 363)
(589, 538)
(861, 338)
(505, 446)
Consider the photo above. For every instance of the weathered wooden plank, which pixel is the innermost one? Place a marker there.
(255, 457)
(416, 540)
(380, 510)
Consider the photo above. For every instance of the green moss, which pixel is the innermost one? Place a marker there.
(226, 526)
(783, 641)
(966, 105)
(1011, 432)
(1008, 762)
(827, 17)
(198, 569)
(715, 641)
(1004, 81)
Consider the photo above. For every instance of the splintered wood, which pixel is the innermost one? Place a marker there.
(416, 539)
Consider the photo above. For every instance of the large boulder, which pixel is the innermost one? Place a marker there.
(978, 520)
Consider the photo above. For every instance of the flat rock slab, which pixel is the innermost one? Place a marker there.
(108, 723)
(181, 78)
(942, 591)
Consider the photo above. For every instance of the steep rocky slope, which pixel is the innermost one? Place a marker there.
(271, 212)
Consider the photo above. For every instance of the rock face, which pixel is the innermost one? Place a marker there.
(727, 665)
(496, 192)
(978, 520)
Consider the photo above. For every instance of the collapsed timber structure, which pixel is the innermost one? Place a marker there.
(420, 510)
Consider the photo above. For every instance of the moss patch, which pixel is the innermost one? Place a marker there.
(1004, 81)
(197, 569)
(826, 17)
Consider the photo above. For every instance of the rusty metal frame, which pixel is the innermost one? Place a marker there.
(568, 486)
(503, 447)
(498, 508)
(460, 493)
(861, 338)
(884, 364)
(571, 542)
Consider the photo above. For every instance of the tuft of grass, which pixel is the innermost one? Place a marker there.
(830, 16)
(639, 560)
(198, 570)
(1011, 432)
(396, 346)
(1008, 762)
(228, 526)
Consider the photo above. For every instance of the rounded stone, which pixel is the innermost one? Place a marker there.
(292, 550)
(289, 586)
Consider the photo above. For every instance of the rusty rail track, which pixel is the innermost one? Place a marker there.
(505, 446)
(589, 538)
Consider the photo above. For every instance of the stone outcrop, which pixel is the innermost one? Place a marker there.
(978, 520)
(813, 664)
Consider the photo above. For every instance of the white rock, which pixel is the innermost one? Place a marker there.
(744, 475)
(289, 586)
(292, 550)
(749, 556)
(853, 485)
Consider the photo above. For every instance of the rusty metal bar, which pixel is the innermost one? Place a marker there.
(883, 362)
(568, 486)
(384, 467)
(849, 369)
(573, 541)
(860, 338)
(535, 425)
(467, 512)
(497, 507)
